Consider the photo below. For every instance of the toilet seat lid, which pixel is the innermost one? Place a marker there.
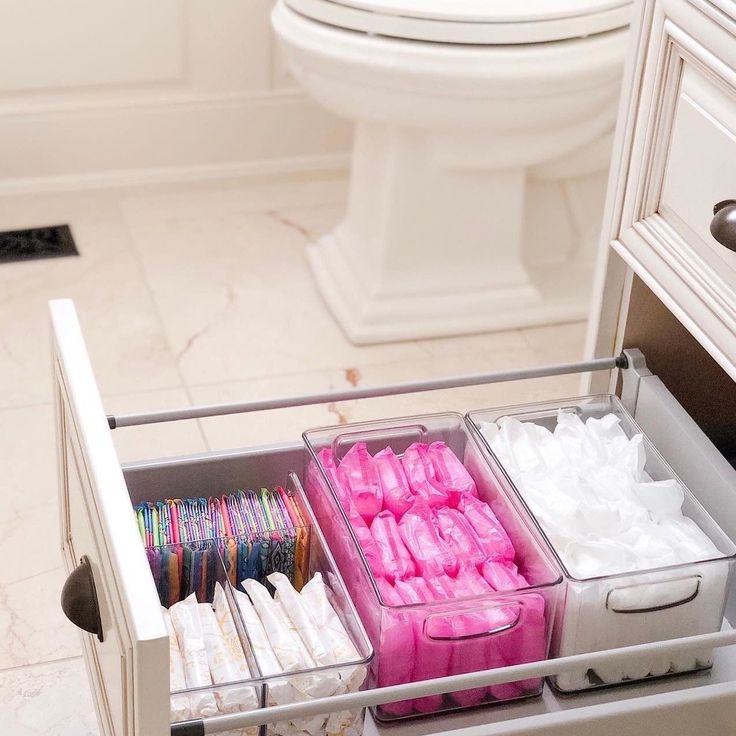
(488, 22)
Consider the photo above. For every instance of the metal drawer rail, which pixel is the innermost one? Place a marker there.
(371, 392)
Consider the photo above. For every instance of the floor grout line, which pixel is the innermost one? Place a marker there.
(45, 662)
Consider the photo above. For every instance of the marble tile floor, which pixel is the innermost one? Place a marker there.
(186, 294)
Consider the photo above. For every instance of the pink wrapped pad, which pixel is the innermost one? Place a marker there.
(431, 658)
(395, 651)
(503, 575)
(365, 539)
(432, 555)
(357, 473)
(526, 643)
(456, 530)
(491, 535)
(327, 461)
(395, 560)
(397, 495)
(421, 476)
(493, 645)
(449, 471)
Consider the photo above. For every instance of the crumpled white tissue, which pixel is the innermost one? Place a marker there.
(586, 484)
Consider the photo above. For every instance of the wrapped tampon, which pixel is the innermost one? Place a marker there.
(226, 666)
(180, 707)
(189, 634)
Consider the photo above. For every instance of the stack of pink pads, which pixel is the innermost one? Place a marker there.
(428, 539)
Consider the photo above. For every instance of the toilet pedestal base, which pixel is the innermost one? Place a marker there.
(431, 245)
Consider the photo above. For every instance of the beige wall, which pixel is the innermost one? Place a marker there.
(120, 91)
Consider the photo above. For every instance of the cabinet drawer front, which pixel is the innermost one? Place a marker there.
(128, 662)
(674, 159)
(701, 166)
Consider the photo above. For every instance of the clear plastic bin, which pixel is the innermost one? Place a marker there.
(442, 637)
(261, 690)
(629, 608)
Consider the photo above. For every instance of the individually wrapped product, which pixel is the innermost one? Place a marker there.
(341, 647)
(180, 706)
(296, 610)
(291, 650)
(325, 618)
(281, 691)
(421, 476)
(327, 461)
(225, 666)
(490, 629)
(491, 535)
(365, 539)
(358, 475)
(528, 642)
(431, 554)
(503, 575)
(396, 562)
(397, 649)
(284, 644)
(397, 495)
(449, 471)
(457, 531)
(431, 655)
(188, 628)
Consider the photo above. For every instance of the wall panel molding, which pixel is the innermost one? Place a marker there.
(184, 137)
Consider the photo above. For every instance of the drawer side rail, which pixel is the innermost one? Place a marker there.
(371, 392)
(439, 686)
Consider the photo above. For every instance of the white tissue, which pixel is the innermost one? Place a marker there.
(586, 484)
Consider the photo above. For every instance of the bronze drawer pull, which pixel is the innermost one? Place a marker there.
(723, 224)
(79, 599)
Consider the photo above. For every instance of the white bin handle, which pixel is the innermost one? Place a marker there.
(648, 597)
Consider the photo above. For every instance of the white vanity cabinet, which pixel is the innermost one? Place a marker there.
(665, 285)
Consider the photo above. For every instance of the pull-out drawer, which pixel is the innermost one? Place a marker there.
(127, 649)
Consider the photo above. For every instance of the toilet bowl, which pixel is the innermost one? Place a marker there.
(482, 136)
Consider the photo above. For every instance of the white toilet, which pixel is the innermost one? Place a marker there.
(481, 148)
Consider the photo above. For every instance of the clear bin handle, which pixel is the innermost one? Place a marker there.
(440, 626)
(344, 441)
(648, 597)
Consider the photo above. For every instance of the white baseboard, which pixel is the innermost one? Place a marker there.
(320, 163)
(177, 139)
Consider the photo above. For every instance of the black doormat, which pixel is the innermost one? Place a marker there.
(38, 242)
